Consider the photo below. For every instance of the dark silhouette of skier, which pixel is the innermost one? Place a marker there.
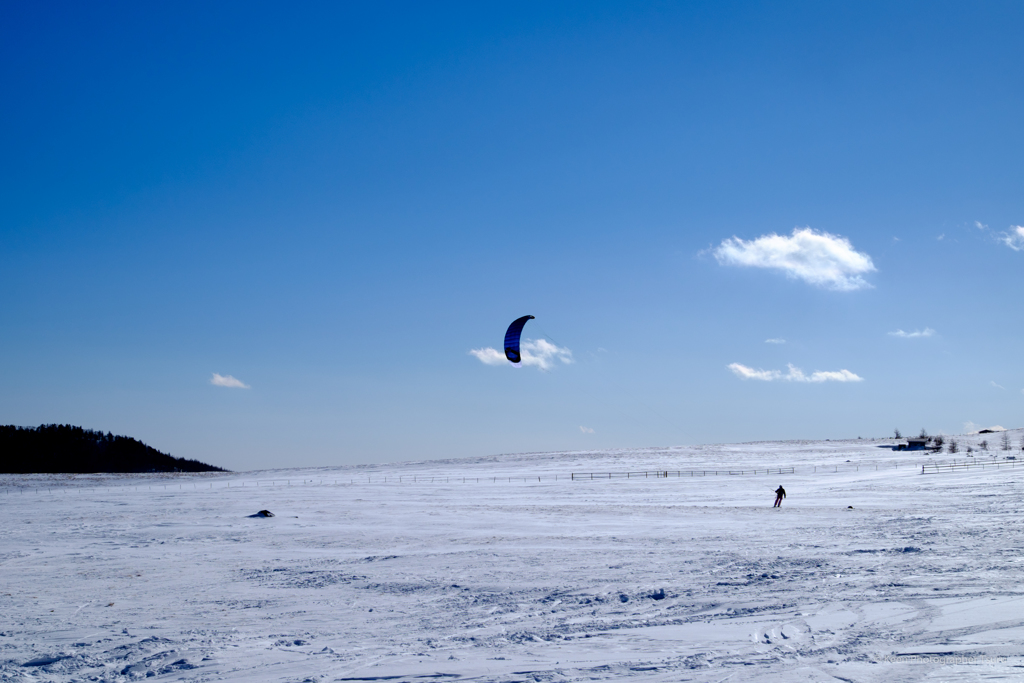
(780, 493)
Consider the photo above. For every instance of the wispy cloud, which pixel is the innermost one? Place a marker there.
(926, 332)
(489, 356)
(538, 353)
(819, 258)
(228, 381)
(543, 354)
(743, 372)
(794, 374)
(823, 376)
(997, 386)
(586, 430)
(1014, 238)
(775, 341)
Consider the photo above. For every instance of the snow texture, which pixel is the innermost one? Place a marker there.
(493, 569)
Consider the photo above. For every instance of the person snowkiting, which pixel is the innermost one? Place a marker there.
(780, 493)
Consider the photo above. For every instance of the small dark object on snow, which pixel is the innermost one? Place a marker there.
(263, 513)
(44, 660)
(658, 594)
(849, 507)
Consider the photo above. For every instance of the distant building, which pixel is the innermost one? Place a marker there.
(914, 444)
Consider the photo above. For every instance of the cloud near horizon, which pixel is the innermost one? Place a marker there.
(819, 258)
(228, 381)
(794, 374)
(538, 353)
(776, 340)
(926, 332)
(586, 430)
(971, 428)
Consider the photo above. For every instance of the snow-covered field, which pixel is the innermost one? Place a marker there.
(870, 571)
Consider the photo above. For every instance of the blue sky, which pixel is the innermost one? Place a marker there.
(334, 205)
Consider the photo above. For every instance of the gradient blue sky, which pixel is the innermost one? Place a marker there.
(335, 203)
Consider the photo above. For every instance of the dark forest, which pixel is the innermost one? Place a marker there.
(68, 449)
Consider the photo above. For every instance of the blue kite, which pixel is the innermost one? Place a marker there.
(512, 338)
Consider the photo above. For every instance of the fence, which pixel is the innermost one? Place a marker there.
(578, 476)
(962, 466)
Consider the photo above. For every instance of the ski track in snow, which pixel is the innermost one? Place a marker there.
(166, 578)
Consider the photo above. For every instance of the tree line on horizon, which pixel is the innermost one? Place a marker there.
(58, 449)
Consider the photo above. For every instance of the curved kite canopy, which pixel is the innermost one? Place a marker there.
(512, 338)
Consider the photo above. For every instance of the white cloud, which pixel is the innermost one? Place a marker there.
(775, 341)
(980, 226)
(539, 353)
(997, 386)
(227, 381)
(543, 354)
(586, 430)
(819, 258)
(926, 332)
(794, 374)
(1014, 239)
(489, 356)
(744, 372)
(823, 376)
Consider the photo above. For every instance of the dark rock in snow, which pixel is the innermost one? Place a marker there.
(43, 661)
(263, 513)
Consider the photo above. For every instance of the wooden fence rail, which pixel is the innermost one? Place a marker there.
(588, 476)
(962, 466)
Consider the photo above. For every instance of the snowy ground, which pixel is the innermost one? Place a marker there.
(429, 577)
